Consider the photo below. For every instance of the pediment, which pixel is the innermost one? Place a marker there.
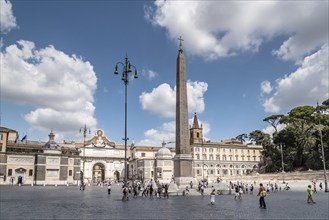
(101, 141)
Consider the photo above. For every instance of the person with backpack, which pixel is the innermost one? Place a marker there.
(262, 195)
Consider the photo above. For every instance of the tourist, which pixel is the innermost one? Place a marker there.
(125, 193)
(320, 186)
(151, 191)
(262, 195)
(212, 197)
(191, 184)
(135, 191)
(309, 195)
(166, 191)
(251, 189)
(109, 189)
(186, 190)
(237, 194)
(314, 187)
(202, 189)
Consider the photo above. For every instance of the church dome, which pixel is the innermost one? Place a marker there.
(164, 152)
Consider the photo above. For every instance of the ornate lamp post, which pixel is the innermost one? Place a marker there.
(126, 69)
(84, 131)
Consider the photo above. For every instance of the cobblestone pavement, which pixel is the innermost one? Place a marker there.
(61, 202)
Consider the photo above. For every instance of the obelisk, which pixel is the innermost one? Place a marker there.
(183, 157)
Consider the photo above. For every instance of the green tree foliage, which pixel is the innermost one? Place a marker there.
(300, 139)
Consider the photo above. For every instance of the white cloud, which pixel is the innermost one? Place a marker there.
(167, 132)
(307, 85)
(266, 87)
(270, 130)
(162, 100)
(7, 18)
(149, 74)
(60, 87)
(216, 29)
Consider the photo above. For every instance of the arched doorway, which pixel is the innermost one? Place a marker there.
(116, 176)
(98, 172)
(20, 175)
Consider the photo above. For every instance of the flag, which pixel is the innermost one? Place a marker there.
(17, 137)
(24, 138)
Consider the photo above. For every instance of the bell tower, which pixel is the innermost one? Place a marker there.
(196, 132)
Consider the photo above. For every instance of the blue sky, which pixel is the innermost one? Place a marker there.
(245, 61)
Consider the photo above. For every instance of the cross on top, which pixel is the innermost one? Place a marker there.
(180, 41)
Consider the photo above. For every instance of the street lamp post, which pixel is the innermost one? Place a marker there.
(84, 131)
(323, 158)
(126, 69)
(282, 164)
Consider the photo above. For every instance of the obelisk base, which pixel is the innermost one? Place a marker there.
(183, 171)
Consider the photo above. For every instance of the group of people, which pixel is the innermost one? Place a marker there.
(135, 189)
(144, 190)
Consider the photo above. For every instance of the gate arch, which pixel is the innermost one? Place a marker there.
(98, 172)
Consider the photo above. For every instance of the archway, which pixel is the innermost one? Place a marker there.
(98, 172)
(116, 176)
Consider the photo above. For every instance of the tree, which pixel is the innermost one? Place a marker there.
(273, 120)
(301, 120)
(241, 137)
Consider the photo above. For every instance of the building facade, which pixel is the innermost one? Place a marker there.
(100, 159)
(32, 162)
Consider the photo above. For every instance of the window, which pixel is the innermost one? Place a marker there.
(10, 172)
(198, 172)
(218, 149)
(30, 172)
(230, 157)
(217, 157)
(211, 157)
(210, 150)
(204, 157)
(248, 151)
(211, 172)
(198, 156)
(224, 157)
(236, 150)
(197, 135)
(254, 158)
(248, 158)
(143, 154)
(236, 157)
(230, 150)
(242, 157)
(70, 172)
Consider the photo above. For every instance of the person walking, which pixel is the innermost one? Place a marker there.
(125, 193)
(151, 191)
(212, 197)
(314, 187)
(109, 189)
(262, 195)
(166, 194)
(310, 195)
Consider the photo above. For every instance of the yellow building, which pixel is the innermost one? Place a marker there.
(212, 160)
